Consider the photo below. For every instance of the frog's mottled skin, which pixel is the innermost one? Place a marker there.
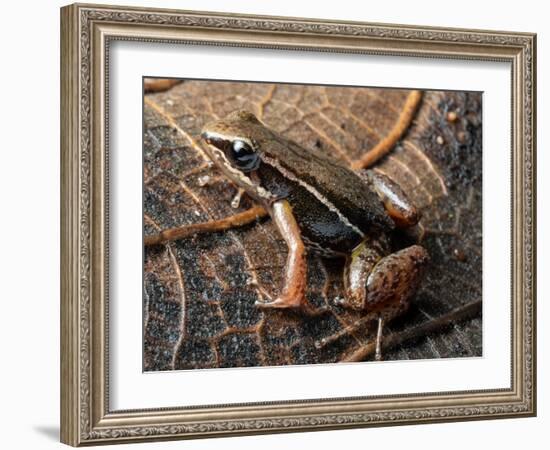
(319, 204)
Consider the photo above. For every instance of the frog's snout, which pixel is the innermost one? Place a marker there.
(211, 139)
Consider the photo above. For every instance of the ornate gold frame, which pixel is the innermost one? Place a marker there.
(86, 31)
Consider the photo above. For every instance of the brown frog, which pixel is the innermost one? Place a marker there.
(320, 205)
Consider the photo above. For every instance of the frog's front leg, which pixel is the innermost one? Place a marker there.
(383, 286)
(294, 289)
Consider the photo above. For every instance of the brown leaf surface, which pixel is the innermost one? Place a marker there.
(199, 292)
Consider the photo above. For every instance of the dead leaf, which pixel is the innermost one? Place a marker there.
(200, 292)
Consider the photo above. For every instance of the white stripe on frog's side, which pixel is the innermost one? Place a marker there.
(325, 201)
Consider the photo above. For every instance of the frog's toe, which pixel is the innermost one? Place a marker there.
(294, 304)
(280, 303)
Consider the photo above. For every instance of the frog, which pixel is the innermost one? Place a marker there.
(320, 205)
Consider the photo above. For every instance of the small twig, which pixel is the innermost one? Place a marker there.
(159, 84)
(237, 220)
(462, 313)
(386, 144)
(378, 349)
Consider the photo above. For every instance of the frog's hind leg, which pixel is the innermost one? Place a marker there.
(383, 286)
(397, 204)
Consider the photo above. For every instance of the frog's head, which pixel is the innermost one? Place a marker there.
(233, 147)
(231, 143)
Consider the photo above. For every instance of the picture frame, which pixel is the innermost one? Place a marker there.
(87, 33)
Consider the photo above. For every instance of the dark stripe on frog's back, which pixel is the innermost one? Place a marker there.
(321, 228)
(343, 187)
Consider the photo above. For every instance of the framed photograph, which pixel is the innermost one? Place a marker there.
(275, 224)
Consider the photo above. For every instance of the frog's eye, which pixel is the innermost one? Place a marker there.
(244, 156)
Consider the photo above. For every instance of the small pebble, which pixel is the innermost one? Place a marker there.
(203, 180)
(452, 116)
(169, 102)
(459, 255)
(440, 140)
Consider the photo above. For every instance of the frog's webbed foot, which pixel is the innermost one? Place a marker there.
(383, 287)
